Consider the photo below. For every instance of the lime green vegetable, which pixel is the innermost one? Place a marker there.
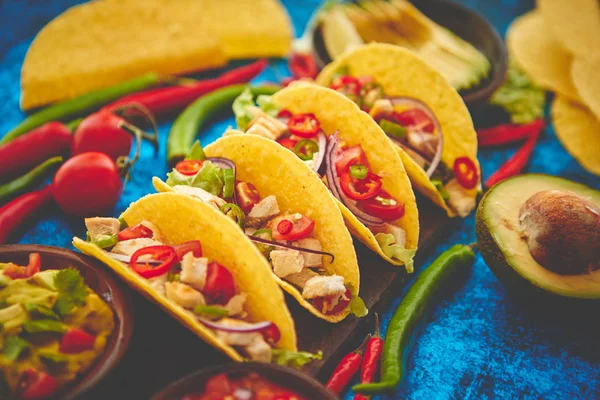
(390, 248)
(14, 346)
(211, 311)
(228, 183)
(235, 213)
(393, 129)
(44, 326)
(266, 234)
(106, 241)
(20, 185)
(439, 185)
(358, 171)
(306, 149)
(209, 178)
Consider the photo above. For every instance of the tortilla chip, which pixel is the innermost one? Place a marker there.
(575, 24)
(578, 131)
(336, 112)
(539, 54)
(584, 73)
(403, 73)
(181, 218)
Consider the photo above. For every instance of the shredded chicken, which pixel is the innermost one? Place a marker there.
(259, 350)
(235, 305)
(300, 278)
(262, 211)
(193, 271)
(310, 260)
(184, 295)
(98, 227)
(128, 247)
(382, 109)
(203, 195)
(322, 286)
(286, 262)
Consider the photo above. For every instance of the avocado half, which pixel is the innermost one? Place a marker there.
(505, 250)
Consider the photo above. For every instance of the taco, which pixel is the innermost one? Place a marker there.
(195, 264)
(284, 208)
(346, 148)
(423, 115)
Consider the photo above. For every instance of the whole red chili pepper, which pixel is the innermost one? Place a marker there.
(508, 133)
(303, 65)
(33, 148)
(346, 369)
(19, 211)
(515, 164)
(370, 361)
(164, 101)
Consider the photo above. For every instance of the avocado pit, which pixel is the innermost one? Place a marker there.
(562, 231)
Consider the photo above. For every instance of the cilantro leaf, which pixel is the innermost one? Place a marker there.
(72, 291)
(14, 346)
(294, 359)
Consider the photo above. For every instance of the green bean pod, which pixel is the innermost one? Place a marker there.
(421, 296)
(190, 121)
(20, 185)
(81, 105)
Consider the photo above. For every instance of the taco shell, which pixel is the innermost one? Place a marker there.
(274, 170)
(578, 131)
(181, 218)
(585, 77)
(403, 73)
(337, 113)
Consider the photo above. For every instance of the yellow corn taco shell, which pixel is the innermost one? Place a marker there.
(585, 77)
(274, 170)
(182, 218)
(403, 73)
(579, 132)
(335, 112)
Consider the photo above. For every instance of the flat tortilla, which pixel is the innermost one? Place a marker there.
(182, 218)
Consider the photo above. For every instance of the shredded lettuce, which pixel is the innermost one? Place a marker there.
(294, 359)
(393, 250)
(209, 178)
(357, 305)
(439, 185)
(242, 108)
(196, 152)
(266, 104)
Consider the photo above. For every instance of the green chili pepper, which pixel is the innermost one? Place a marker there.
(106, 241)
(211, 311)
(266, 234)
(185, 128)
(228, 183)
(341, 71)
(393, 129)
(235, 213)
(32, 178)
(370, 93)
(439, 185)
(417, 301)
(306, 149)
(81, 105)
(358, 171)
(123, 223)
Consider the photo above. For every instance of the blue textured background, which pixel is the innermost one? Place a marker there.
(478, 343)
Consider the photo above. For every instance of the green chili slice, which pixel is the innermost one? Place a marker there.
(229, 183)
(393, 129)
(211, 311)
(235, 213)
(439, 185)
(266, 234)
(358, 171)
(306, 149)
(106, 241)
(341, 71)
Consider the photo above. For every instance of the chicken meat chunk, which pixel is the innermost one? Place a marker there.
(98, 227)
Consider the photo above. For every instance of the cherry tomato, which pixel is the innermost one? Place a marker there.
(284, 114)
(87, 184)
(35, 385)
(247, 196)
(219, 287)
(134, 232)
(321, 302)
(465, 171)
(346, 84)
(102, 132)
(360, 189)
(415, 118)
(349, 157)
(189, 167)
(288, 143)
(304, 125)
(16, 272)
(193, 246)
(383, 206)
(76, 340)
(302, 227)
(165, 254)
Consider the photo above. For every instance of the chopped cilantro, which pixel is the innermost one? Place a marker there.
(14, 346)
(44, 326)
(72, 291)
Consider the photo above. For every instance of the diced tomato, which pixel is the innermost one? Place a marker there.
(284, 114)
(383, 206)
(360, 189)
(17, 272)
(304, 125)
(363, 80)
(219, 385)
(134, 232)
(76, 340)
(36, 385)
(219, 287)
(302, 227)
(189, 167)
(465, 171)
(321, 302)
(289, 144)
(247, 196)
(346, 84)
(415, 118)
(350, 156)
(192, 246)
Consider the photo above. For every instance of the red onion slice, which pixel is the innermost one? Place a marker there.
(127, 259)
(267, 328)
(322, 142)
(415, 103)
(334, 185)
(288, 246)
(225, 163)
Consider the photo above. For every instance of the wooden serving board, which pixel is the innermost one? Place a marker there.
(162, 351)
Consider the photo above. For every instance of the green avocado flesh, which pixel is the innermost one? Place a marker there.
(505, 250)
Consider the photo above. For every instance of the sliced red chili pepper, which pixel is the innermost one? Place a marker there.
(304, 125)
(303, 65)
(134, 232)
(284, 114)
(166, 254)
(36, 385)
(76, 340)
(383, 206)
(416, 119)
(284, 227)
(360, 189)
(247, 196)
(189, 167)
(193, 246)
(346, 84)
(465, 171)
(288, 143)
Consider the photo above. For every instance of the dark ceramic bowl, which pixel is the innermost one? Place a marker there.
(465, 23)
(288, 378)
(101, 282)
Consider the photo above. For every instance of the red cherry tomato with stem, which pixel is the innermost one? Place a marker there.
(219, 287)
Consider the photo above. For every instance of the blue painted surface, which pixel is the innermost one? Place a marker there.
(478, 343)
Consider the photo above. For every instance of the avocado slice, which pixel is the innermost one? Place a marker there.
(45, 279)
(505, 249)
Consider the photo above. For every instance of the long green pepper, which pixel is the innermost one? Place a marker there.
(415, 304)
(12, 189)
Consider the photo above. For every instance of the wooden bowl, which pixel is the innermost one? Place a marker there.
(468, 25)
(288, 378)
(105, 285)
